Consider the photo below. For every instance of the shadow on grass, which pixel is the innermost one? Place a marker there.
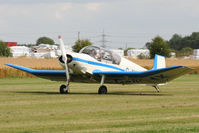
(139, 93)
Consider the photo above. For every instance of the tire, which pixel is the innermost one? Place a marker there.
(102, 90)
(63, 89)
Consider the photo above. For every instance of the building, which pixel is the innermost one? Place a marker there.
(44, 51)
(195, 54)
(18, 51)
(136, 52)
(50, 54)
(10, 44)
(118, 51)
(44, 48)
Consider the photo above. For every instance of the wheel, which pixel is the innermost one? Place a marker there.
(102, 90)
(63, 89)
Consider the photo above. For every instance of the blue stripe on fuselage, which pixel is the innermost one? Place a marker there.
(96, 63)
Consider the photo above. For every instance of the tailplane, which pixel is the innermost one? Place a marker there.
(159, 62)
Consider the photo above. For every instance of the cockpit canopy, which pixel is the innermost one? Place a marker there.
(101, 54)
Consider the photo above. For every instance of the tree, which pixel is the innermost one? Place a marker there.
(4, 49)
(79, 44)
(194, 40)
(175, 42)
(186, 51)
(45, 40)
(159, 46)
(147, 45)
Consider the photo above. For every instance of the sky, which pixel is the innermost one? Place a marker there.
(126, 23)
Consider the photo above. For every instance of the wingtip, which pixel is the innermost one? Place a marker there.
(8, 64)
(11, 65)
(26, 69)
(189, 69)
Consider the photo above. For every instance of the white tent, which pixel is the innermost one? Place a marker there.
(18, 51)
(118, 51)
(44, 51)
(195, 54)
(135, 52)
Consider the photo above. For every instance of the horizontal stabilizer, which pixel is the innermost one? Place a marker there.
(155, 76)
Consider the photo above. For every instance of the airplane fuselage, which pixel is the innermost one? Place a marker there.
(82, 66)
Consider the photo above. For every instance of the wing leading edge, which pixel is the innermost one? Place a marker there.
(55, 75)
(156, 76)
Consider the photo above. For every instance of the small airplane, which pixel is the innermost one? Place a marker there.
(98, 65)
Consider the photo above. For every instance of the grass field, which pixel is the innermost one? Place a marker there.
(32, 105)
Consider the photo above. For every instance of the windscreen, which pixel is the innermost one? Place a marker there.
(102, 55)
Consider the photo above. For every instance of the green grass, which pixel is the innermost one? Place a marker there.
(32, 105)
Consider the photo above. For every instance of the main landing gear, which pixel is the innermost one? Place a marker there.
(103, 88)
(63, 89)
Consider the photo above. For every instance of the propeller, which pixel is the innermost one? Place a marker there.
(64, 57)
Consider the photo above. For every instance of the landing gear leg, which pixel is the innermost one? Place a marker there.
(102, 88)
(157, 88)
(63, 89)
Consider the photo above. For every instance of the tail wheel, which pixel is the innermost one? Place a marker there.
(102, 90)
(63, 89)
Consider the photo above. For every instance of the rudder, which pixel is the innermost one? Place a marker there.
(159, 62)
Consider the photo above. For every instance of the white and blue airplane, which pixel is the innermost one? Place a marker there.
(98, 65)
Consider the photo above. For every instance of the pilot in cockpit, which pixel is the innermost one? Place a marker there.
(93, 53)
(100, 54)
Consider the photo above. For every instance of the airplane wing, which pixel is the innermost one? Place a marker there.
(156, 76)
(55, 75)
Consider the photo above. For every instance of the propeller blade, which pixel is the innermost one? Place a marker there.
(63, 51)
(64, 57)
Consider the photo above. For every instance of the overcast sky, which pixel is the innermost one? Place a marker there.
(126, 22)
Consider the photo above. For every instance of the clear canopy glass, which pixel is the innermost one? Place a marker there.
(101, 54)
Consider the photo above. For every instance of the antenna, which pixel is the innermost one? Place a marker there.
(103, 41)
(78, 36)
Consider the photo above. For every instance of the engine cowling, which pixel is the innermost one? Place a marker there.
(69, 59)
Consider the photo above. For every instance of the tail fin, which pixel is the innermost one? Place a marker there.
(159, 62)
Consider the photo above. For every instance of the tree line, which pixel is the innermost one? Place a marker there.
(177, 42)
(182, 46)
